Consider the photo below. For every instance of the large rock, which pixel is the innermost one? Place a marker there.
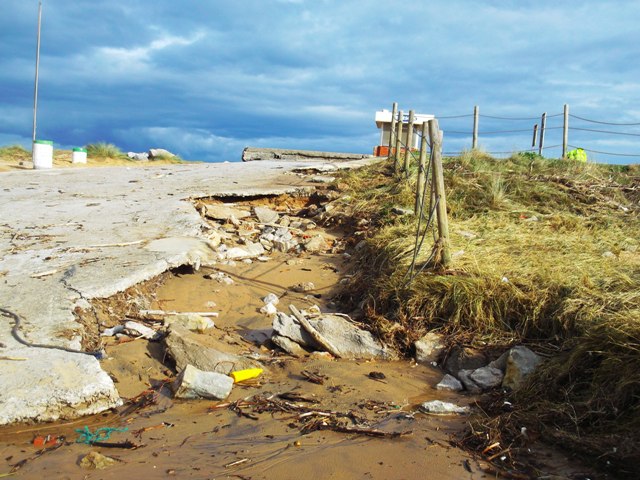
(348, 340)
(464, 358)
(469, 385)
(520, 363)
(487, 377)
(194, 383)
(429, 348)
(202, 352)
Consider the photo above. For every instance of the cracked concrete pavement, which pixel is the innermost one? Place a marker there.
(70, 235)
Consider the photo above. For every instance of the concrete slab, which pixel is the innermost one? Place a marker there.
(67, 236)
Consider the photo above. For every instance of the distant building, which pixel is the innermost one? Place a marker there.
(383, 122)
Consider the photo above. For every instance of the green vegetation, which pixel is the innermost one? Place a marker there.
(104, 150)
(14, 152)
(546, 252)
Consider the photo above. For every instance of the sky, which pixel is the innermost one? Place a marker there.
(206, 78)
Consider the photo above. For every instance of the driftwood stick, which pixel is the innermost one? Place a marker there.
(323, 342)
(151, 313)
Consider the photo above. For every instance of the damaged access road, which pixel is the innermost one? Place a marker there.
(70, 236)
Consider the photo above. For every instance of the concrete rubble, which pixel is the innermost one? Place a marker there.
(71, 235)
(194, 383)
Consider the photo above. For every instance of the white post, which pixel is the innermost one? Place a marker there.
(35, 89)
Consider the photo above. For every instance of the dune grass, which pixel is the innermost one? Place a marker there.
(104, 150)
(545, 251)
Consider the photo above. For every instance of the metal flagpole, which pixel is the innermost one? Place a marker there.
(35, 89)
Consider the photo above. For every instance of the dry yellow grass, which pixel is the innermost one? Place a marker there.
(544, 251)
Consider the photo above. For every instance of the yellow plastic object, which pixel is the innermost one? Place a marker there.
(242, 375)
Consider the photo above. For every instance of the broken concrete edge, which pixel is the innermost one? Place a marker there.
(257, 154)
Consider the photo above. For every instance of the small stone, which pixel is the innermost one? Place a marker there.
(469, 385)
(303, 287)
(449, 382)
(608, 254)
(271, 298)
(442, 408)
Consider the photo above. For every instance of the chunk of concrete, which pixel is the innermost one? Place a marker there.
(266, 215)
(194, 383)
(224, 212)
(52, 385)
(438, 407)
(289, 346)
(451, 383)
(316, 244)
(429, 348)
(190, 321)
(203, 352)
(487, 377)
(96, 461)
(520, 363)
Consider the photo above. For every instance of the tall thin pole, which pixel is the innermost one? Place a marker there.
(565, 131)
(476, 114)
(543, 126)
(35, 88)
(441, 202)
(396, 157)
(392, 132)
(409, 145)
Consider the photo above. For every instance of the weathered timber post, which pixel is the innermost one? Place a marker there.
(565, 131)
(422, 172)
(535, 135)
(476, 117)
(407, 152)
(543, 124)
(441, 201)
(396, 158)
(392, 132)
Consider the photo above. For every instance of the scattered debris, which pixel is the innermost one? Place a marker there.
(248, 374)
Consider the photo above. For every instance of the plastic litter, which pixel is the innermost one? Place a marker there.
(242, 375)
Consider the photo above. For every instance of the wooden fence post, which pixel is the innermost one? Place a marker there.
(422, 172)
(565, 131)
(543, 124)
(476, 117)
(396, 158)
(407, 152)
(392, 132)
(535, 135)
(441, 201)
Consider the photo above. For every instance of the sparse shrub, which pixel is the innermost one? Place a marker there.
(103, 150)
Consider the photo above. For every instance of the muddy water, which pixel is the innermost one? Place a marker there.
(193, 439)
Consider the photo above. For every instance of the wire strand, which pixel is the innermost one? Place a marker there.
(608, 153)
(603, 123)
(605, 131)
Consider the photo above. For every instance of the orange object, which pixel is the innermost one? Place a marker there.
(46, 441)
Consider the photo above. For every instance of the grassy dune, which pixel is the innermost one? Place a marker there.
(546, 252)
